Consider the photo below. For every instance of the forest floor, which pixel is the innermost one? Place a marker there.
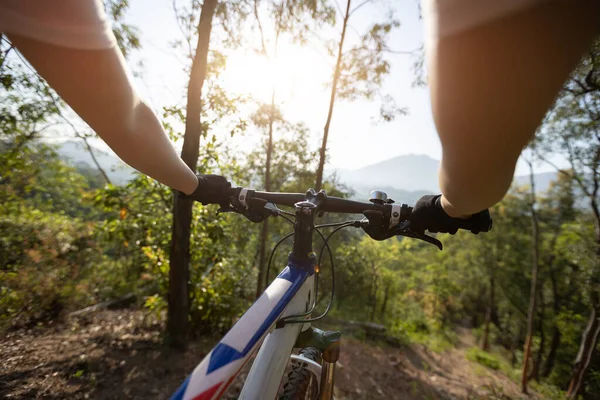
(118, 354)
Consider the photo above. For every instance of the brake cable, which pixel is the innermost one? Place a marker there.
(345, 223)
(316, 296)
(291, 318)
(273, 254)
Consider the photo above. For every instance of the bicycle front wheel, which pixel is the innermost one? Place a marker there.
(302, 384)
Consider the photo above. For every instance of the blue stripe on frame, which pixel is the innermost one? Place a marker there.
(178, 395)
(223, 354)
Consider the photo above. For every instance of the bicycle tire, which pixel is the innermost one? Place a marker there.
(301, 384)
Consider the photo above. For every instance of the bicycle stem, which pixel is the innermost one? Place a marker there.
(304, 226)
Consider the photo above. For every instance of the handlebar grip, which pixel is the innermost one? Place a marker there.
(480, 222)
(428, 214)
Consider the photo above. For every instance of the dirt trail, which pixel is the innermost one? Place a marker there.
(369, 371)
(116, 354)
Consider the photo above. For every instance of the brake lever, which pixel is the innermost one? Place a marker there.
(226, 209)
(423, 237)
(258, 210)
(404, 230)
(432, 240)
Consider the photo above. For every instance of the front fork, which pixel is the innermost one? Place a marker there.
(328, 342)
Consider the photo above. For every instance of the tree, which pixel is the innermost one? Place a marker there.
(289, 17)
(533, 292)
(491, 308)
(265, 118)
(178, 304)
(359, 73)
(557, 211)
(573, 130)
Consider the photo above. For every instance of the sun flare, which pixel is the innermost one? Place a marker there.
(297, 74)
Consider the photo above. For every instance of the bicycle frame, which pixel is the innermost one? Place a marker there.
(289, 294)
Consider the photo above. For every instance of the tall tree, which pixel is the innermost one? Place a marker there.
(266, 117)
(358, 72)
(573, 130)
(290, 17)
(178, 304)
(535, 246)
(489, 314)
(559, 207)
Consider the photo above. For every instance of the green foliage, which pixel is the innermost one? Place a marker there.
(221, 296)
(484, 358)
(136, 230)
(36, 174)
(67, 240)
(47, 261)
(127, 35)
(364, 66)
(550, 392)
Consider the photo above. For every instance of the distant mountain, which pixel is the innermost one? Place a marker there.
(542, 180)
(410, 176)
(361, 193)
(76, 154)
(404, 178)
(408, 172)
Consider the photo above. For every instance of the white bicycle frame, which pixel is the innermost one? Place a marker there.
(291, 293)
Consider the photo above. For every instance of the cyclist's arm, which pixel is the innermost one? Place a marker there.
(491, 86)
(96, 85)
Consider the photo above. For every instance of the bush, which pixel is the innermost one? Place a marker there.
(45, 261)
(486, 359)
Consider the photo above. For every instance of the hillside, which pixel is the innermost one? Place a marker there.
(76, 154)
(119, 354)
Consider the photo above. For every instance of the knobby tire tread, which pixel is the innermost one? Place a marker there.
(298, 379)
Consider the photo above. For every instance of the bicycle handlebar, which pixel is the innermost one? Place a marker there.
(331, 204)
(384, 219)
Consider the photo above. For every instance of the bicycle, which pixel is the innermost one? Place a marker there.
(280, 320)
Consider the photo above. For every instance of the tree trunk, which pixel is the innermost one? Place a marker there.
(264, 232)
(554, 343)
(533, 289)
(373, 299)
(373, 294)
(385, 300)
(535, 371)
(488, 315)
(513, 347)
(589, 339)
(336, 77)
(178, 301)
(262, 257)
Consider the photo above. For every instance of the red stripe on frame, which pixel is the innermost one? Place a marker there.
(208, 394)
(226, 385)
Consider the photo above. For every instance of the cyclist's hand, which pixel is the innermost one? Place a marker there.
(212, 189)
(428, 214)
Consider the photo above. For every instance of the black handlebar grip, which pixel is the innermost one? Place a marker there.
(480, 222)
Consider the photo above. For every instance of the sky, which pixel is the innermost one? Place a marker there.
(355, 139)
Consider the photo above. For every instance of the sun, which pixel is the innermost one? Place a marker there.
(297, 74)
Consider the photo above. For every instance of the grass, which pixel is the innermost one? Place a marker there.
(486, 359)
(437, 341)
(480, 370)
(498, 363)
(548, 391)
